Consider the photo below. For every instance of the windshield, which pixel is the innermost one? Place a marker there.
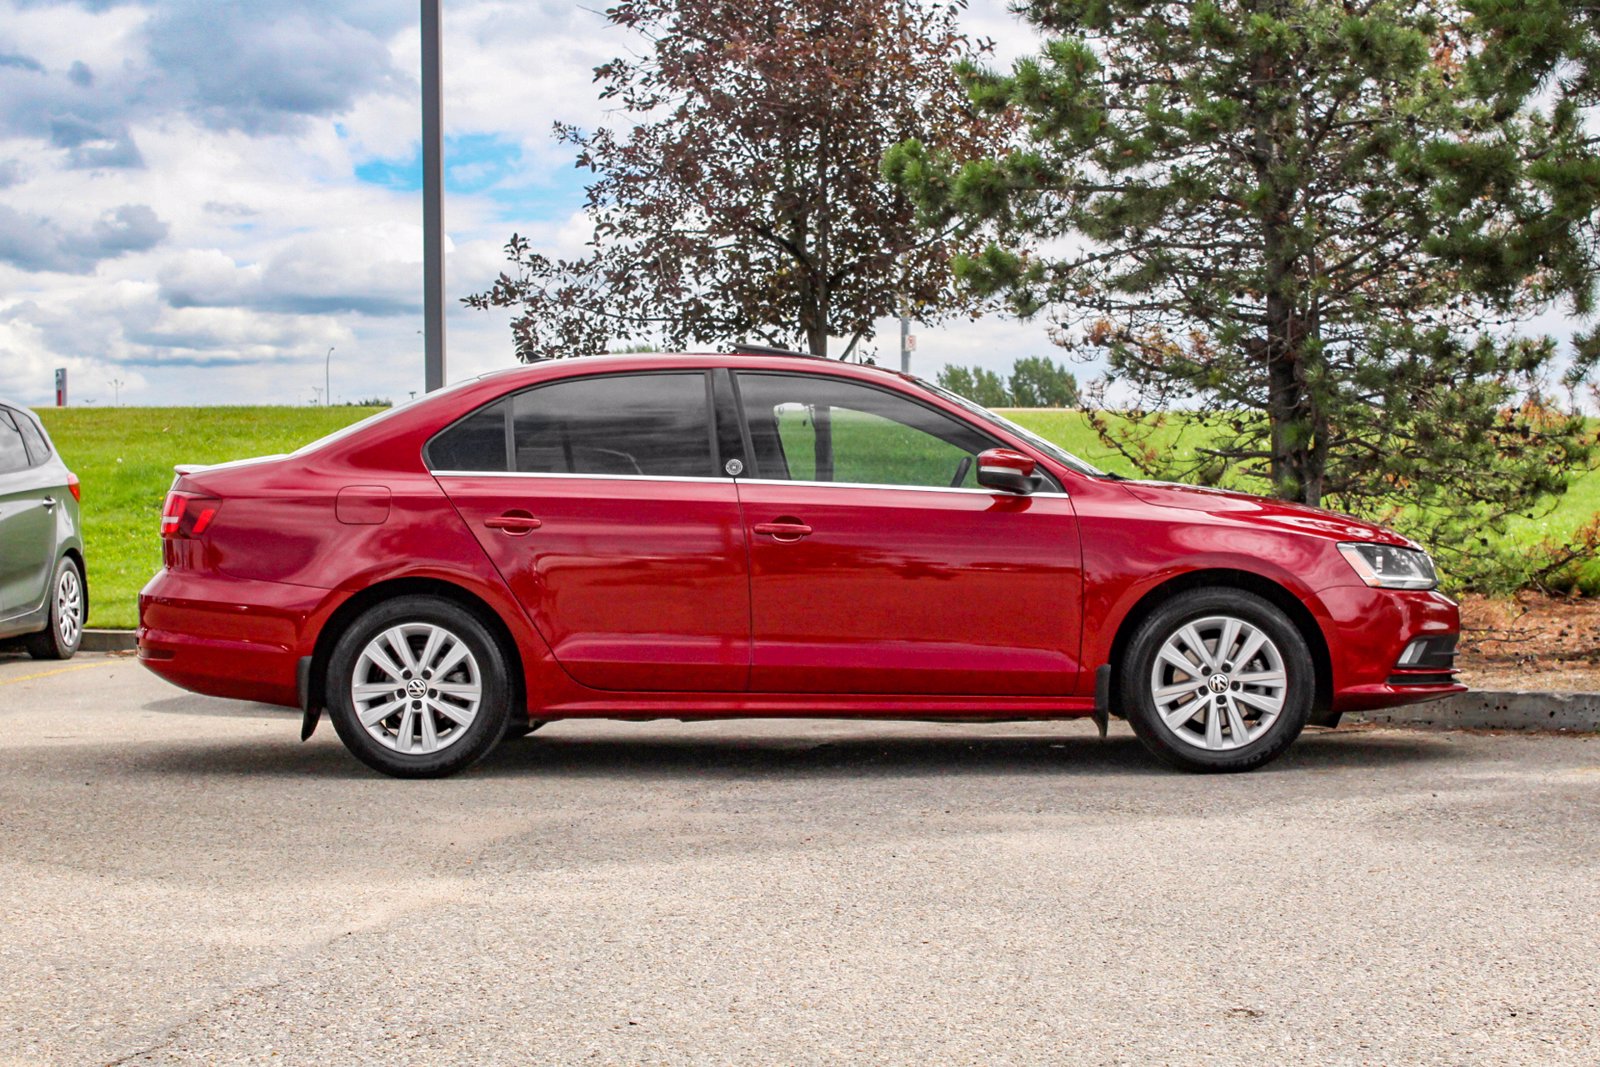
(1055, 452)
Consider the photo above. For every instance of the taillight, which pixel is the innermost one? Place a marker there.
(187, 516)
(72, 487)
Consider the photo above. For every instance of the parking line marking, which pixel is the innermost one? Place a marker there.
(51, 674)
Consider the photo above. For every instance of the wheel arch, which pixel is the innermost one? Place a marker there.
(356, 606)
(75, 554)
(1226, 578)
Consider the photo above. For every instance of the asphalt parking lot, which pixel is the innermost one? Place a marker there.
(185, 881)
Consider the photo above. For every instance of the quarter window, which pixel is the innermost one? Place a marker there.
(13, 456)
(38, 447)
(815, 429)
(476, 443)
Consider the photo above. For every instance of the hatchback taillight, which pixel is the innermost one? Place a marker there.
(72, 487)
(187, 516)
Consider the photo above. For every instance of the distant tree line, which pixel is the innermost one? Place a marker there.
(1035, 382)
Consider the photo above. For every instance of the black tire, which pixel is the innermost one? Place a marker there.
(51, 642)
(469, 743)
(1182, 745)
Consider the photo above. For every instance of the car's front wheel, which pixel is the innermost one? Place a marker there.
(69, 604)
(1217, 680)
(418, 688)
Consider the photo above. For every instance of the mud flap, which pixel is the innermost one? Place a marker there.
(312, 709)
(1102, 699)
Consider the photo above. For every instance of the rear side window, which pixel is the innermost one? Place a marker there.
(38, 447)
(13, 455)
(621, 424)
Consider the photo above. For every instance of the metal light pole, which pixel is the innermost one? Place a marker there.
(905, 341)
(327, 361)
(432, 200)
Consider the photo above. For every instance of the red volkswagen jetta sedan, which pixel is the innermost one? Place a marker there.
(706, 536)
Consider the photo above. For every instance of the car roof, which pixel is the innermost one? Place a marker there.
(14, 406)
(775, 359)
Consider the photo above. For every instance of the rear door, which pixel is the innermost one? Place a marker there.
(877, 563)
(27, 523)
(599, 501)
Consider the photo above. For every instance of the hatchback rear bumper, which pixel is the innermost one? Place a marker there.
(226, 636)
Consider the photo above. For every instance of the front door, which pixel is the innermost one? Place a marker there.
(598, 501)
(877, 565)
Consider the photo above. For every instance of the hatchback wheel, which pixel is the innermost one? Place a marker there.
(69, 603)
(1217, 680)
(418, 688)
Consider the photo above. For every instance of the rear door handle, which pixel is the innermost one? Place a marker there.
(513, 523)
(48, 503)
(789, 530)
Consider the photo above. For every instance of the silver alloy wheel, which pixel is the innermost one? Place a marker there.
(1218, 683)
(69, 606)
(416, 688)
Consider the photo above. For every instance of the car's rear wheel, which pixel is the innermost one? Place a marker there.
(69, 604)
(418, 688)
(1217, 680)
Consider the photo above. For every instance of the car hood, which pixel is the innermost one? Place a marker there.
(1260, 510)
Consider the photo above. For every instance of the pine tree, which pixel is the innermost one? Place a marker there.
(1301, 219)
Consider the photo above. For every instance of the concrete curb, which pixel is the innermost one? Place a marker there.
(108, 641)
(1478, 710)
(1491, 710)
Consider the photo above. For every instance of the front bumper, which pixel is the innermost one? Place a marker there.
(1368, 631)
(229, 637)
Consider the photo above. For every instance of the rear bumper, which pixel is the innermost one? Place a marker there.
(229, 637)
(1369, 629)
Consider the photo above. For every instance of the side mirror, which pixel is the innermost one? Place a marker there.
(1003, 469)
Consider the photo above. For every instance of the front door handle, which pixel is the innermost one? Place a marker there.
(514, 522)
(785, 529)
(48, 503)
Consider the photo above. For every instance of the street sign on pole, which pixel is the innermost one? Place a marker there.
(61, 387)
(432, 200)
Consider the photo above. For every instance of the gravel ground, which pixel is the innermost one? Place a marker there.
(186, 882)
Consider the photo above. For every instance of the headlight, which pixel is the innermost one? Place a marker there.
(1390, 567)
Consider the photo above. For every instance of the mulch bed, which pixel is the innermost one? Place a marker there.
(1531, 642)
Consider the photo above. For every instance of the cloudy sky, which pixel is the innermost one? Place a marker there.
(199, 197)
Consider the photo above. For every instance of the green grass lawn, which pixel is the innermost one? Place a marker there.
(125, 456)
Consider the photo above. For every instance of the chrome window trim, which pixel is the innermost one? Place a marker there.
(730, 481)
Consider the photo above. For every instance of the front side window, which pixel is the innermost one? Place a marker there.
(819, 429)
(13, 456)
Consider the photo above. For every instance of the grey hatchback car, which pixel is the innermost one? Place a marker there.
(44, 593)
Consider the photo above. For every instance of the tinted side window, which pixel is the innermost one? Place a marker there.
(630, 424)
(13, 456)
(38, 447)
(816, 429)
(476, 443)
